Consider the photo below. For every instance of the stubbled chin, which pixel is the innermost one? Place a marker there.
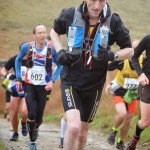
(94, 15)
(42, 40)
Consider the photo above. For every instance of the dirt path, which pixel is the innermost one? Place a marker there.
(49, 139)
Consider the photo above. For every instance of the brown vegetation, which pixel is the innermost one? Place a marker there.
(53, 106)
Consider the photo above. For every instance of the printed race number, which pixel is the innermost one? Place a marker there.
(23, 72)
(36, 77)
(131, 83)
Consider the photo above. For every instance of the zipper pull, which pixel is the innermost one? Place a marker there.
(88, 62)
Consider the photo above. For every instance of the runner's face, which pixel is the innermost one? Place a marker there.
(95, 7)
(41, 34)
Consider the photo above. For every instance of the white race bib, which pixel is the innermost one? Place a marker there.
(36, 75)
(114, 86)
(131, 83)
(23, 72)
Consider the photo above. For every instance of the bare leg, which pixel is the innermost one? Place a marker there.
(24, 110)
(15, 103)
(120, 114)
(145, 111)
(126, 125)
(73, 129)
(82, 136)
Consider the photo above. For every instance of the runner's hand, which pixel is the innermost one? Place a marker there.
(64, 58)
(143, 80)
(49, 85)
(104, 53)
(10, 76)
(18, 85)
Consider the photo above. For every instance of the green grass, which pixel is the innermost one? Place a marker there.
(105, 115)
(53, 118)
(2, 146)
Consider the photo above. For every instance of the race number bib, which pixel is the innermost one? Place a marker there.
(114, 86)
(23, 72)
(131, 83)
(36, 75)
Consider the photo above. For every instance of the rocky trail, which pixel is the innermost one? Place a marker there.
(49, 137)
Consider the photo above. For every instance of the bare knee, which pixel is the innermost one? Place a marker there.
(128, 117)
(121, 115)
(82, 136)
(73, 130)
(24, 112)
(83, 132)
(144, 123)
(14, 114)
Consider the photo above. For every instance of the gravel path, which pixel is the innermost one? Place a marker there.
(48, 139)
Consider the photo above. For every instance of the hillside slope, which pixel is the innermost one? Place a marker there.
(18, 18)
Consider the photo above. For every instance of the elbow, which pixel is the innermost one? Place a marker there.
(52, 32)
(3, 71)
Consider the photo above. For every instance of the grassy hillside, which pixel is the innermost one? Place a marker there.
(18, 18)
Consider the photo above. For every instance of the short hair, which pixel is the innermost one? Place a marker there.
(34, 28)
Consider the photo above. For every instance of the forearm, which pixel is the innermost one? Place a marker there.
(125, 53)
(108, 78)
(56, 74)
(18, 67)
(56, 40)
(115, 65)
(4, 72)
(136, 65)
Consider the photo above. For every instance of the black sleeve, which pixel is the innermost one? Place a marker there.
(115, 65)
(11, 63)
(137, 52)
(119, 33)
(64, 20)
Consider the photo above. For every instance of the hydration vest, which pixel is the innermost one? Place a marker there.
(30, 56)
(76, 33)
(39, 65)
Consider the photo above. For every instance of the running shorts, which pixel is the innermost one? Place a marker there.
(130, 107)
(86, 101)
(7, 96)
(144, 93)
